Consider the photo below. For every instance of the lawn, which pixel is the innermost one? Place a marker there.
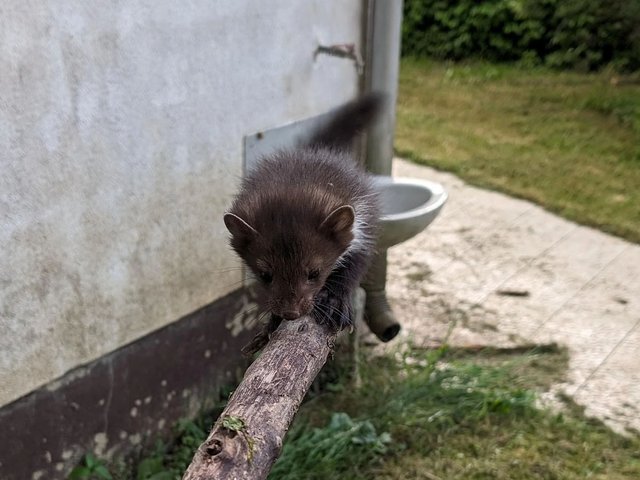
(431, 414)
(421, 415)
(567, 141)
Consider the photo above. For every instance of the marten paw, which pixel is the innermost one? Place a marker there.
(333, 310)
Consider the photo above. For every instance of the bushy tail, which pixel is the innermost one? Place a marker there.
(349, 120)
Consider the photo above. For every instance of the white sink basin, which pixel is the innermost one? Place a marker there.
(408, 206)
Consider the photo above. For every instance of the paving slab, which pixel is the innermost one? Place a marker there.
(618, 377)
(578, 287)
(553, 284)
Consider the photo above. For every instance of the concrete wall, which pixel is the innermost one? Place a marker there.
(121, 127)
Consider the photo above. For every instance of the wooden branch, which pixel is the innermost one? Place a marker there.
(247, 438)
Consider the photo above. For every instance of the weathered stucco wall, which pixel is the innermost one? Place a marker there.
(121, 127)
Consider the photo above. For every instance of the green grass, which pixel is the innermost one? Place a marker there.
(567, 141)
(467, 417)
(424, 414)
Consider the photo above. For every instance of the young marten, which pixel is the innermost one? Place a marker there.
(304, 222)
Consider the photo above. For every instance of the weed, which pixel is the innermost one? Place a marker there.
(168, 461)
(90, 468)
(320, 453)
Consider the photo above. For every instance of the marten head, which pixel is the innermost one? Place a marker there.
(292, 252)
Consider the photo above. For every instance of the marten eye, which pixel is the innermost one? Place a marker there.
(314, 274)
(266, 277)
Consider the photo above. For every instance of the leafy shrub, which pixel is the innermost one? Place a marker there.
(592, 33)
(584, 34)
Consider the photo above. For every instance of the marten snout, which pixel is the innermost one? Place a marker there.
(295, 308)
(291, 314)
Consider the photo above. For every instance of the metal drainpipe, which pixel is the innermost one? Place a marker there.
(384, 28)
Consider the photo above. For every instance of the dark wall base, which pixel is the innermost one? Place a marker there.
(113, 404)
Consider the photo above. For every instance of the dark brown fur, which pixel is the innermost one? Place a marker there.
(304, 223)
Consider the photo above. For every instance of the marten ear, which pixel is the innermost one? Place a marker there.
(238, 227)
(338, 223)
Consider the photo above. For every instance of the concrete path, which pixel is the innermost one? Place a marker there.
(583, 290)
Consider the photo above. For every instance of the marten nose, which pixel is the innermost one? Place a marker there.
(290, 314)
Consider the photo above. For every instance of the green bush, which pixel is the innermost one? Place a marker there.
(582, 34)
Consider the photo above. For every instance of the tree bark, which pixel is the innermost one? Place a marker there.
(247, 438)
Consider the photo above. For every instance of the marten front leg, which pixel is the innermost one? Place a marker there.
(333, 309)
(333, 303)
(263, 336)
